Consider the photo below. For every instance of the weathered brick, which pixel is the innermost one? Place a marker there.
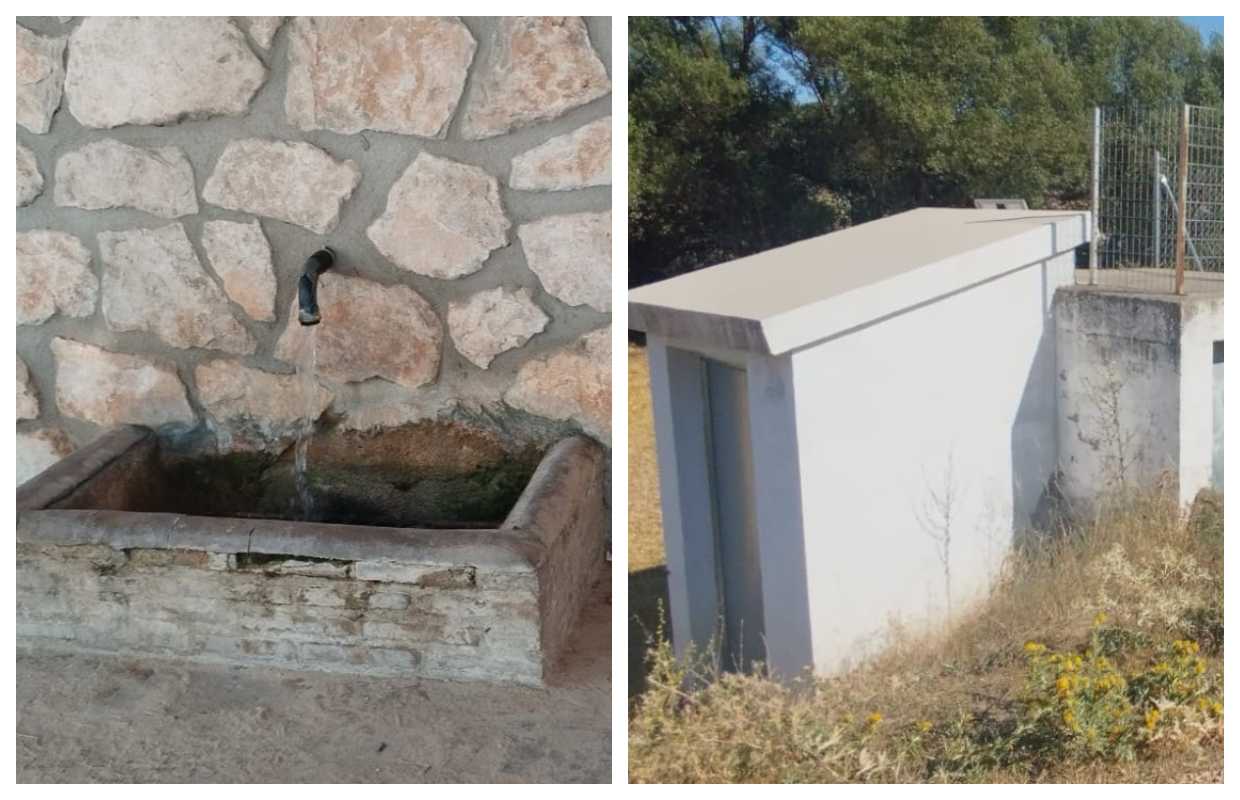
(389, 600)
(392, 571)
(299, 566)
(169, 558)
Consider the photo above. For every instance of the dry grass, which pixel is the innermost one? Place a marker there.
(645, 521)
(647, 576)
(954, 706)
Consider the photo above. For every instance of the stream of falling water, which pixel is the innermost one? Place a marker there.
(306, 372)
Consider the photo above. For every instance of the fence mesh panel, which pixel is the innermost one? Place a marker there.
(1138, 152)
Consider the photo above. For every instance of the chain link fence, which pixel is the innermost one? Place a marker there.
(1138, 192)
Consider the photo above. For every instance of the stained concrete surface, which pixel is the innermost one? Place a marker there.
(95, 719)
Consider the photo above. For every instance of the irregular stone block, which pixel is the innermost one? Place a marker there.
(115, 388)
(539, 68)
(111, 174)
(442, 219)
(368, 331)
(153, 281)
(492, 322)
(257, 406)
(27, 397)
(395, 74)
(39, 450)
(240, 254)
(29, 179)
(262, 29)
(40, 78)
(53, 275)
(157, 70)
(290, 181)
(571, 255)
(572, 161)
(573, 383)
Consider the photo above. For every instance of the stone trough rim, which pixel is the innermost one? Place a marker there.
(517, 545)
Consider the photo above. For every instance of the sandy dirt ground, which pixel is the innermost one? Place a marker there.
(103, 719)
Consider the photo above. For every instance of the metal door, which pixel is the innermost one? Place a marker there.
(731, 460)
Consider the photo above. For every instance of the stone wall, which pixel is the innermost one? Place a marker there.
(173, 174)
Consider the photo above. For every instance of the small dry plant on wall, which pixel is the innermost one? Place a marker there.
(1099, 657)
(1119, 445)
(935, 519)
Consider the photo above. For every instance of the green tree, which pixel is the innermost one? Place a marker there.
(747, 133)
(713, 147)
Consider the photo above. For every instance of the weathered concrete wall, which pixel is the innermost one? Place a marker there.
(174, 174)
(1136, 389)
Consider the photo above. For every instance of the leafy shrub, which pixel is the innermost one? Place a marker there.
(1083, 705)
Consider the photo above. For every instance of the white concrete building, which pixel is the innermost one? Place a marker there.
(852, 428)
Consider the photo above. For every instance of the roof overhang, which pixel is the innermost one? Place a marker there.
(784, 299)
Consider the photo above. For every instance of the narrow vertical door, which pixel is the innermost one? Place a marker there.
(732, 481)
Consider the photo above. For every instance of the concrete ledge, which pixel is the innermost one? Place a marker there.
(62, 478)
(128, 529)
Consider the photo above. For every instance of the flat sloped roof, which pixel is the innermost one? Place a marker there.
(785, 298)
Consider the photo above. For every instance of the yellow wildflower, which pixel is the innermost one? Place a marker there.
(1151, 718)
(924, 726)
(1185, 647)
(1034, 648)
(874, 718)
(1100, 619)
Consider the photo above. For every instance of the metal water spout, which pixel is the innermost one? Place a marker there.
(308, 286)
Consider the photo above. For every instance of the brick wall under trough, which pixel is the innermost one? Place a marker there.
(372, 618)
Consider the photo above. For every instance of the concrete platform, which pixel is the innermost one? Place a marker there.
(1145, 279)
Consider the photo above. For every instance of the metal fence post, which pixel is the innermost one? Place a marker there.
(1096, 168)
(1157, 209)
(1181, 226)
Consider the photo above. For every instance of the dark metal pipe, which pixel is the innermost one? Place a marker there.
(308, 286)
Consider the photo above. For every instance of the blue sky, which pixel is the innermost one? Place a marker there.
(1207, 25)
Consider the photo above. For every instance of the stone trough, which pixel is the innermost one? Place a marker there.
(129, 547)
